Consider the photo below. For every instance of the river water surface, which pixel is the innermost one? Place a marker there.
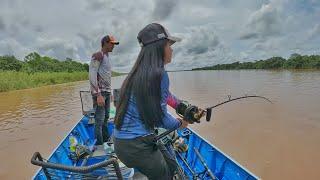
(274, 141)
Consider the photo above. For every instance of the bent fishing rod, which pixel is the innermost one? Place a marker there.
(192, 113)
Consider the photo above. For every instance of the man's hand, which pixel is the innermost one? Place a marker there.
(100, 100)
(184, 123)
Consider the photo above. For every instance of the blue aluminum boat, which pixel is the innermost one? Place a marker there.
(200, 160)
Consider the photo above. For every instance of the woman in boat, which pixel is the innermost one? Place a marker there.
(142, 107)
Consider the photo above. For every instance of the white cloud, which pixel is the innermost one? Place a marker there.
(11, 46)
(265, 22)
(162, 9)
(200, 47)
(210, 28)
(314, 32)
(59, 48)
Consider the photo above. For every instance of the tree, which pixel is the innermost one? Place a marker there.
(86, 67)
(10, 63)
(296, 61)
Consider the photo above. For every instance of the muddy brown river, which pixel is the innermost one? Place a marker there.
(274, 141)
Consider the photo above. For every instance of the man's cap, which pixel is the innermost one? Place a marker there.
(154, 32)
(109, 38)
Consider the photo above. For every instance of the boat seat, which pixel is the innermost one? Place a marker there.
(99, 151)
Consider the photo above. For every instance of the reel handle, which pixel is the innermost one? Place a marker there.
(208, 114)
(192, 113)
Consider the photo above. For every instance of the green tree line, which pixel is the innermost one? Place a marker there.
(296, 61)
(33, 62)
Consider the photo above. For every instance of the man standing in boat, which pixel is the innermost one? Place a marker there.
(100, 85)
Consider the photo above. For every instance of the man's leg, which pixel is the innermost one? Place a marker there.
(105, 132)
(99, 118)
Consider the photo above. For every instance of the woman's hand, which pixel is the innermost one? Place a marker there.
(184, 123)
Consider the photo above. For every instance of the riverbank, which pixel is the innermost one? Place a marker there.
(296, 61)
(11, 80)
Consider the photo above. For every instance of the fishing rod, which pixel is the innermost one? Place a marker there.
(192, 113)
(203, 162)
(242, 97)
(208, 110)
(194, 174)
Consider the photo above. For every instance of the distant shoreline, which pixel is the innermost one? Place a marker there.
(11, 80)
(296, 61)
(310, 69)
(36, 71)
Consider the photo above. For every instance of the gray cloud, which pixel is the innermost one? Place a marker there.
(11, 46)
(213, 31)
(2, 24)
(6, 48)
(94, 5)
(314, 32)
(58, 48)
(202, 40)
(163, 9)
(38, 28)
(265, 22)
(249, 36)
(201, 46)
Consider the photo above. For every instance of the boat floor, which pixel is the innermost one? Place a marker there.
(101, 152)
(139, 176)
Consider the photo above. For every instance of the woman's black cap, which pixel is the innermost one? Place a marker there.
(154, 32)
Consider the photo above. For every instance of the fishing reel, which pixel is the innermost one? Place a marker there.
(192, 113)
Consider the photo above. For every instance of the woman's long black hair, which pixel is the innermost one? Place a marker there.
(144, 84)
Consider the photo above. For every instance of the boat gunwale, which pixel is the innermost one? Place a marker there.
(227, 156)
(56, 148)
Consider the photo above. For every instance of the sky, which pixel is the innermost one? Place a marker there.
(212, 31)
